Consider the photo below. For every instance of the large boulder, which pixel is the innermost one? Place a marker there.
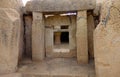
(107, 40)
(9, 40)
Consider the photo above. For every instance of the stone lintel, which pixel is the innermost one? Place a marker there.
(60, 5)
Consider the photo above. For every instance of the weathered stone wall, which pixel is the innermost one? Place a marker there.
(9, 40)
(11, 32)
(16, 5)
(107, 40)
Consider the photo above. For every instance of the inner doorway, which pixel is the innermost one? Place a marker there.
(59, 34)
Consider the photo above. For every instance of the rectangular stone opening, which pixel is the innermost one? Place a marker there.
(64, 27)
(61, 38)
(64, 37)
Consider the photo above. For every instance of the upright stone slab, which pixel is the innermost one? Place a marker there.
(91, 26)
(49, 43)
(107, 40)
(38, 50)
(81, 37)
(9, 40)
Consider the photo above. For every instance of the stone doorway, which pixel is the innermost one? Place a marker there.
(60, 36)
(46, 25)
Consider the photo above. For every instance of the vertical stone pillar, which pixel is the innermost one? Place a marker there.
(81, 37)
(38, 50)
(49, 43)
(28, 31)
(57, 38)
(91, 27)
(72, 32)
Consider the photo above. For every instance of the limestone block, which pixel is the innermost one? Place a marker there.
(38, 50)
(107, 40)
(81, 37)
(57, 38)
(72, 34)
(9, 40)
(49, 42)
(60, 5)
(97, 9)
(91, 27)
(17, 5)
(14, 4)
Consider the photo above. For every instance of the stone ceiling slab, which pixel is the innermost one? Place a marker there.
(60, 5)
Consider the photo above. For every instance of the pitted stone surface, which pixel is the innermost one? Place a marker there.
(9, 40)
(14, 4)
(107, 40)
(60, 5)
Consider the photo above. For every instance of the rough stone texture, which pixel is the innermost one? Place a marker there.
(12, 75)
(60, 5)
(97, 9)
(28, 34)
(107, 40)
(38, 50)
(14, 4)
(99, 1)
(81, 36)
(17, 5)
(58, 21)
(9, 40)
(91, 27)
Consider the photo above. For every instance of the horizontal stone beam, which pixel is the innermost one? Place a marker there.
(60, 5)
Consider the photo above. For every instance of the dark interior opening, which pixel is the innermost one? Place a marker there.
(64, 27)
(64, 37)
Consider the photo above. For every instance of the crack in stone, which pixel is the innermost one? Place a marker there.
(108, 15)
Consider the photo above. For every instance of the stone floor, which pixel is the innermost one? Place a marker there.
(12, 75)
(57, 67)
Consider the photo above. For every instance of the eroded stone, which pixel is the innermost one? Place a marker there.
(9, 40)
(107, 40)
